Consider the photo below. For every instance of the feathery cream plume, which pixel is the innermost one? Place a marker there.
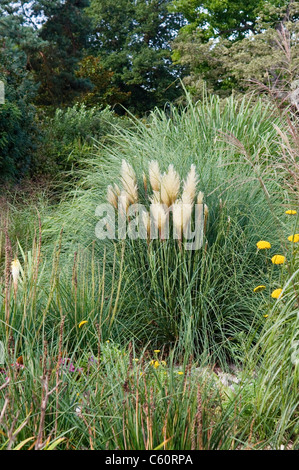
(200, 197)
(123, 201)
(128, 178)
(206, 213)
(159, 215)
(190, 184)
(146, 222)
(170, 186)
(116, 189)
(156, 198)
(154, 175)
(181, 214)
(111, 196)
(15, 271)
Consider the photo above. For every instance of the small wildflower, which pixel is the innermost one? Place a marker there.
(291, 212)
(259, 288)
(157, 350)
(276, 293)
(156, 364)
(180, 372)
(163, 363)
(278, 259)
(107, 341)
(294, 238)
(266, 316)
(263, 245)
(15, 271)
(82, 323)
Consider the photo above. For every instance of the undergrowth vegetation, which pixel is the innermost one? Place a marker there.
(143, 344)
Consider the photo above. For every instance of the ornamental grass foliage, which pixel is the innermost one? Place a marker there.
(106, 341)
(162, 261)
(200, 300)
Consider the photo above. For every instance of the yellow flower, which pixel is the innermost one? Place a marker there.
(291, 212)
(156, 364)
(259, 288)
(163, 363)
(82, 323)
(180, 373)
(276, 293)
(266, 316)
(278, 259)
(263, 245)
(157, 350)
(294, 238)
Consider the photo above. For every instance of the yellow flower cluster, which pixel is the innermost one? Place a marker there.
(294, 238)
(259, 288)
(277, 259)
(263, 245)
(291, 212)
(276, 294)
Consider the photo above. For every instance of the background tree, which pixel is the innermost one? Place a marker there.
(65, 32)
(133, 40)
(18, 129)
(226, 53)
(103, 92)
(213, 18)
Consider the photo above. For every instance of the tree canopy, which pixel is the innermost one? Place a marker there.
(131, 55)
(227, 44)
(133, 40)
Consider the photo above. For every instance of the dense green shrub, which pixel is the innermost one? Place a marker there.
(18, 131)
(69, 137)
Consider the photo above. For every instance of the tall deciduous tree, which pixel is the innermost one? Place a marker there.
(225, 44)
(133, 38)
(212, 18)
(103, 92)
